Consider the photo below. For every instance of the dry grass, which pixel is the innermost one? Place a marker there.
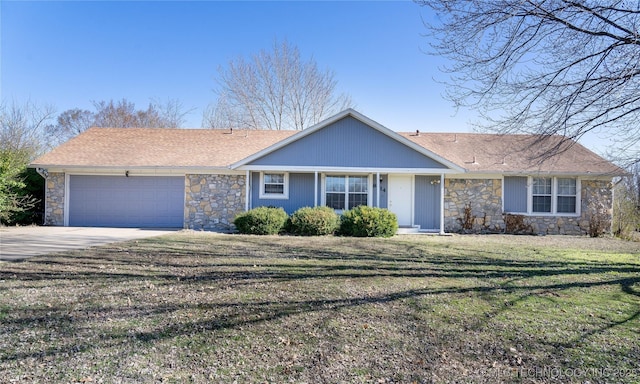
(199, 307)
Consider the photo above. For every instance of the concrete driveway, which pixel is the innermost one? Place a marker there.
(21, 242)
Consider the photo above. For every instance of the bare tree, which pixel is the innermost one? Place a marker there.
(21, 140)
(626, 205)
(22, 127)
(172, 113)
(223, 115)
(121, 114)
(70, 123)
(274, 90)
(546, 67)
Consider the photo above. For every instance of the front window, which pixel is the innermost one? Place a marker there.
(542, 195)
(566, 196)
(274, 185)
(346, 192)
(357, 191)
(336, 187)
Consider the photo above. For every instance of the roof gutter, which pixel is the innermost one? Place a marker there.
(107, 168)
(553, 173)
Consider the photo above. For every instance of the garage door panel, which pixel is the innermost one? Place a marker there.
(118, 201)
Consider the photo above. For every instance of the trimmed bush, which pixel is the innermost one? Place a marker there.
(364, 221)
(261, 221)
(318, 221)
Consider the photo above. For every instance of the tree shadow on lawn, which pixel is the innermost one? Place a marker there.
(242, 314)
(347, 264)
(445, 259)
(626, 286)
(505, 272)
(371, 258)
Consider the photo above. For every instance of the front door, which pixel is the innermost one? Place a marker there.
(400, 197)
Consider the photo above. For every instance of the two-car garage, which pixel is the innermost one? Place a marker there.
(121, 201)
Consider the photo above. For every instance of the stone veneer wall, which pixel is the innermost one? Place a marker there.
(213, 201)
(485, 197)
(54, 199)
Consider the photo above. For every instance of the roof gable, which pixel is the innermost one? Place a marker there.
(348, 140)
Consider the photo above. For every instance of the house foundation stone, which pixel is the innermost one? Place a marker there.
(213, 201)
(484, 199)
(54, 199)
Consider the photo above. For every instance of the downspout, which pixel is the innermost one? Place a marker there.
(442, 203)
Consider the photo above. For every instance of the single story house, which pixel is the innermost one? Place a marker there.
(201, 179)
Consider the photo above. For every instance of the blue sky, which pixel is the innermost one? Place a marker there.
(69, 53)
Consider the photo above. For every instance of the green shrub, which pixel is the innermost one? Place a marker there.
(318, 221)
(261, 221)
(364, 221)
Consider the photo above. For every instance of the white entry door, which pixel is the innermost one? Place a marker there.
(400, 196)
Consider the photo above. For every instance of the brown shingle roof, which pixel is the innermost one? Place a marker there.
(149, 147)
(156, 147)
(493, 153)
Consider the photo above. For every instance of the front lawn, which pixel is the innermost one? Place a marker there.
(201, 307)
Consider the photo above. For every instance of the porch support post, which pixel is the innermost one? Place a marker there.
(378, 189)
(315, 189)
(247, 191)
(442, 203)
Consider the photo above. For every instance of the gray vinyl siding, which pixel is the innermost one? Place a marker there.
(427, 202)
(515, 194)
(300, 192)
(348, 143)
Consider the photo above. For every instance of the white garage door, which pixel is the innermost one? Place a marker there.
(119, 201)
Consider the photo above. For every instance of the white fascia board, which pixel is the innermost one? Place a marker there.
(419, 171)
(358, 116)
(474, 176)
(583, 175)
(140, 171)
(485, 175)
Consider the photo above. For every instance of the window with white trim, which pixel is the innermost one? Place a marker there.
(542, 195)
(344, 192)
(566, 196)
(274, 185)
